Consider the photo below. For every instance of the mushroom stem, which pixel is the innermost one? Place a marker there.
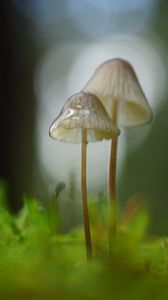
(112, 171)
(84, 195)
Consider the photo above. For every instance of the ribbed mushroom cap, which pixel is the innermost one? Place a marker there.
(83, 111)
(115, 80)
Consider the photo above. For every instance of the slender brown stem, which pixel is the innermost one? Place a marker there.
(112, 186)
(112, 173)
(84, 195)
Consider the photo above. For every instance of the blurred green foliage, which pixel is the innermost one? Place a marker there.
(38, 262)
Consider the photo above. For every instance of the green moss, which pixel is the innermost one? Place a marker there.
(37, 262)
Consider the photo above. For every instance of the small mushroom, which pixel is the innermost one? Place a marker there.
(83, 119)
(115, 80)
(116, 85)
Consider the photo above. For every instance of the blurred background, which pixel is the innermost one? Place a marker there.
(49, 49)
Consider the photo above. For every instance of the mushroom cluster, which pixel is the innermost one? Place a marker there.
(111, 99)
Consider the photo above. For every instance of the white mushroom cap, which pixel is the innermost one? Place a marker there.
(83, 111)
(115, 80)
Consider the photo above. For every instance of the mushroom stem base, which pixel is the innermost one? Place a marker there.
(112, 184)
(84, 195)
(112, 176)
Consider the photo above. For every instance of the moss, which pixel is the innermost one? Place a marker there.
(40, 263)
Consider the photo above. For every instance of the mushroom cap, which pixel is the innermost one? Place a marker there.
(83, 111)
(115, 80)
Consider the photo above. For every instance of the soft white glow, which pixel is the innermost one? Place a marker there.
(63, 72)
(145, 58)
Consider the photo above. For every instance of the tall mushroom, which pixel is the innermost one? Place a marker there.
(116, 85)
(83, 119)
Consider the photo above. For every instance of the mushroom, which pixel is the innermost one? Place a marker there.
(83, 119)
(116, 85)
